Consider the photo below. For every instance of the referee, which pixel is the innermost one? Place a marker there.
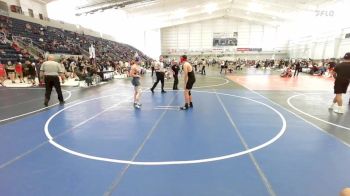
(51, 71)
(160, 73)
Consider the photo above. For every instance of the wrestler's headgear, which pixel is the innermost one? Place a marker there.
(183, 58)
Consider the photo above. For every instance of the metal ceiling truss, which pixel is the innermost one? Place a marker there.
(114, 4)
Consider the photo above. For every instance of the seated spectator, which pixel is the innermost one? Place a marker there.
(56, 40)
(85, 75)
(238, 67)
(2, 37)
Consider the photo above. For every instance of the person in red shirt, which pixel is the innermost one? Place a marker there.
(19, 71)
(10, 70)
(2, 74)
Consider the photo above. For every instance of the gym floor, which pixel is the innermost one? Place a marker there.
(249, 133)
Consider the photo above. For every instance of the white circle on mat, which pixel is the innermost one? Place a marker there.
(289, 101)
(38, 110)
(183, 162)
(205, 86)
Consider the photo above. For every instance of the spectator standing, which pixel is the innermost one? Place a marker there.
(31, 73)
(19, 71)
(297, 68)
(222, 66)
(195, 65)
(37, 69)
(226, 66)
(2, 74)
(63, 75)
(203, 67)
(152, 68)
(72, 66)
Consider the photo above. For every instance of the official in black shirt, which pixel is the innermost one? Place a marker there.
(175, 67)
(203, 67)
(31, 72)
(297, 68)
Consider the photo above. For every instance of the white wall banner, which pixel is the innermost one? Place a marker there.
(225, 39)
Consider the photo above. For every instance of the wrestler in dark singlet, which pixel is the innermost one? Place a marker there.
(190, 79)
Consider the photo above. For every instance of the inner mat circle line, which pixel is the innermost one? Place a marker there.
(157, 163)
(244, 143)
(197, 87)
(70, 106)
(309, 115)
(214, 85)
(38, 110)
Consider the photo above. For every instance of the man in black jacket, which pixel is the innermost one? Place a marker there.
(175, 67)
(297, 68)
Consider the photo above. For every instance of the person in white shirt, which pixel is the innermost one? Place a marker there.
(51, 70)
(203, 67)
(73, 65)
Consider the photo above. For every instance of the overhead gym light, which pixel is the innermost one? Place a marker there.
(111, 4)
(255, 7)
(210, 8)
(180, 13)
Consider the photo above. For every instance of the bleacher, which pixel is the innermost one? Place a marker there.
(26, 29)
(54, 40)
(8, 53)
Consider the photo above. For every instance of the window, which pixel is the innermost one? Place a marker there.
(16, 9)
(31, 13)
(41, 16)
(4, 8)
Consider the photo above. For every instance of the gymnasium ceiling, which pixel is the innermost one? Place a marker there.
(175, 12)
